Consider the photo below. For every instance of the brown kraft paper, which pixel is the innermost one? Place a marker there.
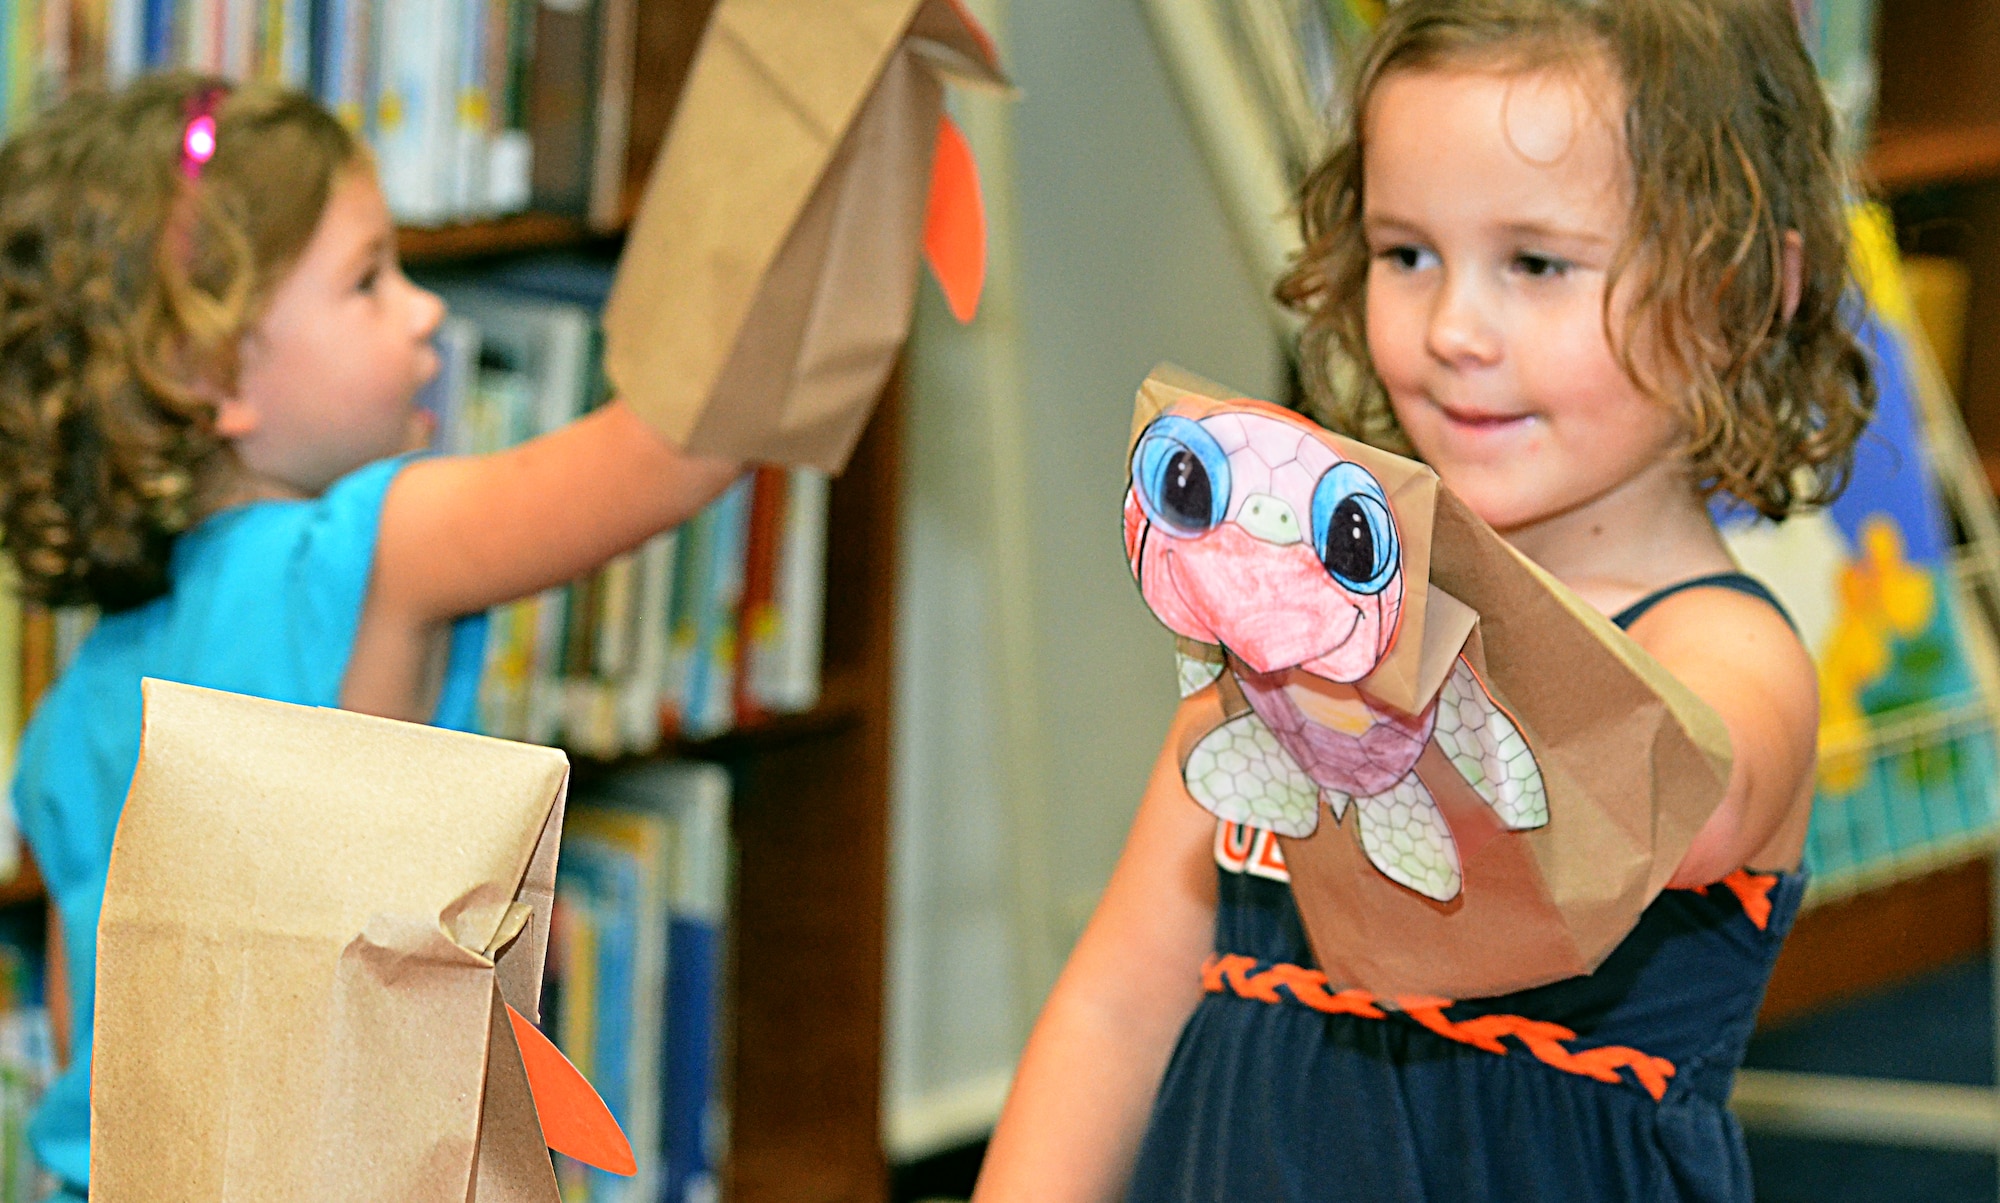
(768, 281)
(312, 921)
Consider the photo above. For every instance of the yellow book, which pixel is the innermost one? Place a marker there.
(1938, 290)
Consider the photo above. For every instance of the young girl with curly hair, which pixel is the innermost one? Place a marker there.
(208, 363)
(1586, 259)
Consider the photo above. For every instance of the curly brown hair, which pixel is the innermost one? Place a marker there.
(125, 288)
(1732, 146)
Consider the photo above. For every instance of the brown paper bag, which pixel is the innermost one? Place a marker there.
(1628, 763)
(767, 283)
(312, 922)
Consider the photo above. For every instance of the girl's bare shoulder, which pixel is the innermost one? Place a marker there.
(1717, 621)
(1741, 655)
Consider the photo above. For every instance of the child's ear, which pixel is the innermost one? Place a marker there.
(1791, 271)
(235, 418)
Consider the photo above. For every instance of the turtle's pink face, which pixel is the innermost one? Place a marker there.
(1245, 529)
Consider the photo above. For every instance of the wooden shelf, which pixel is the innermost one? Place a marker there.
(837, 712)
(500, 236)
(1905, 158)
(26, 884)
(1881, 937)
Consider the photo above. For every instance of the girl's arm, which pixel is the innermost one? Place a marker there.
(1085, 1085)
(462, 533)
(1738, 655)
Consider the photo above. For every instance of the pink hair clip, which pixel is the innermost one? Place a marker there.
(198, 139)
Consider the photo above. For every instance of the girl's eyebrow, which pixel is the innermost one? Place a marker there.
(367, 253)
(1384, 223)
(1544, 231)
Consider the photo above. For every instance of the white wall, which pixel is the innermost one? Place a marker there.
(1033, 684)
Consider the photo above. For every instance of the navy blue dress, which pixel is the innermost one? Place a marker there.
(1611, 1086)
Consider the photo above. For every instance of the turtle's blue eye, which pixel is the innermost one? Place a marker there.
(1353, 530)
(1182, 476)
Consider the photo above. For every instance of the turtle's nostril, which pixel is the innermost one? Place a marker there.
(1270, 519)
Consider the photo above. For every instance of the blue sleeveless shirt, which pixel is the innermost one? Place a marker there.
(1610, 1086)
(263, 599)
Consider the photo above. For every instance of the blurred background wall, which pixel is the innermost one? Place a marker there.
(1033, 686)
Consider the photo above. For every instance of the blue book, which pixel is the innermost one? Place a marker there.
(159, 34)
(708, 706)
(691, 1107)
(694, 972)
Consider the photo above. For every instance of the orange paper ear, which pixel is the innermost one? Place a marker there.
(955, 223)
(575, 1122)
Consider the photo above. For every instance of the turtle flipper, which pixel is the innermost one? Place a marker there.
(1239, 773)
(1196, 664)
(1489, 751)
(1405, 836)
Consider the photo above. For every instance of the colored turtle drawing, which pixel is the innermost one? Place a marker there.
(1247, 530)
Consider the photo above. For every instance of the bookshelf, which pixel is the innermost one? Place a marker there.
(802, 1045)
(1906, 158)
(1935, 161)
(513, 234)
(802, 1050)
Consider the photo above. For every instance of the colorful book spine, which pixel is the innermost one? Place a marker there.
(759, 619)
(621, 860)
(709, 691)
(785, 653)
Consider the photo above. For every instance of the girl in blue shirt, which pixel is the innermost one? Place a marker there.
(208, 363)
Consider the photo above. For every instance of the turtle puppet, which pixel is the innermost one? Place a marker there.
(1248, 529)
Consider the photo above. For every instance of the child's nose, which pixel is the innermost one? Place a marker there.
(426, 311)
(1461, 331)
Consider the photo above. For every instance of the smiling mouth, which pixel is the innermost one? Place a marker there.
(1174, 579)
(1479, 421)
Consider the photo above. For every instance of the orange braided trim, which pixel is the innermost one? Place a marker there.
(1232, 974)
(1753, 893)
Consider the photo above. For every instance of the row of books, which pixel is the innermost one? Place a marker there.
(634, 984)
(704, 628)
(474, 107)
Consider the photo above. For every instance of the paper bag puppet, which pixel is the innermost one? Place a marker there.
(321, 934)
(1477, 782)
(768, 280)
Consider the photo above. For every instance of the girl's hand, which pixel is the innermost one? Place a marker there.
(1738, 654)
(462, 533)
